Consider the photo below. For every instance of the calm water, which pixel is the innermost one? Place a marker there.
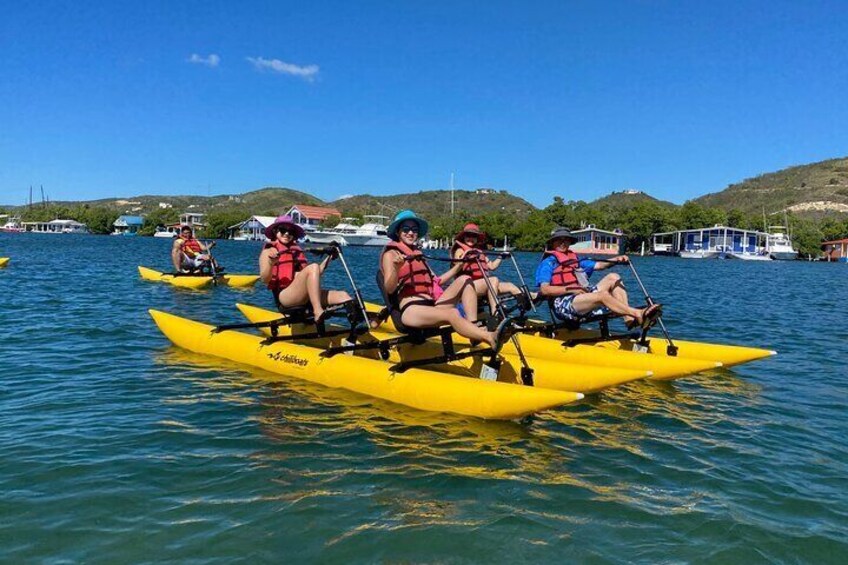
(115, 447)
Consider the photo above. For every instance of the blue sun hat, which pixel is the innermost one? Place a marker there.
(402, 217)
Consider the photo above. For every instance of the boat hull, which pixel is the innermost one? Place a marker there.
(4, 261)
(698, 254)
(367, 240)
(748, 257)
(326, 238)
(784, 255)
(416, 388)
(547, 374)
(693, 357)
(197, 282)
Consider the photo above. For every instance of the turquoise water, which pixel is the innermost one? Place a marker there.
(116, 447)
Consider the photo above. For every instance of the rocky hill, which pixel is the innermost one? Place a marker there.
(817, 188)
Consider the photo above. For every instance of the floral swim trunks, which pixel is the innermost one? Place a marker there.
(563, 308)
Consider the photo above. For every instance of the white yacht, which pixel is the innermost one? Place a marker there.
(336, 234)
(778, 244)
(372, 233)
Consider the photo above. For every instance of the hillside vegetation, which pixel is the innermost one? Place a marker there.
(434, 203)
(814, 189)
(623, 200)
(811, 194)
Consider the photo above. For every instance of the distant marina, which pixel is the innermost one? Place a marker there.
(724, 242)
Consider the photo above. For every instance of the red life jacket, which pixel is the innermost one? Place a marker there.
(470, 268)
(414, 276)
(290, 260)
(565, 273)
(191, 247)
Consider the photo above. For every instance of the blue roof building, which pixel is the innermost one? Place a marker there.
(128, 225)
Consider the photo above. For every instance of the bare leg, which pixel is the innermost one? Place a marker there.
(429, 317)
(469, 302)
(585, 303)
(612, 284)
(306, 287)
(461, 290)
(482, 289)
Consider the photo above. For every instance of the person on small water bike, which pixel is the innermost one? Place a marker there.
(470, 243)
(292, 279)
(189, 255)
(563, 278)
(412, 288)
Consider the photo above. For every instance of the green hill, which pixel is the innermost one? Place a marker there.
(269, 200)
(434, 204)
(626, 199)
(817, 188)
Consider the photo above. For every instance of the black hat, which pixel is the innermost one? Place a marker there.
(560, 233)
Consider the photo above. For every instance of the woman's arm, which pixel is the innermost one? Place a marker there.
(389, 266)
(266, 264)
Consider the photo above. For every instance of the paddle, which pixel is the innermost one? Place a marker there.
(671, 349)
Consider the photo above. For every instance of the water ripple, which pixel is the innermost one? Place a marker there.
(116, 447)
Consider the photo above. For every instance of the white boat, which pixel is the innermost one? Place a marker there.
(167, 231)
(699, 254)
(778, 244)
(506, 246)
(334, 235)
(12, 225)
(370, 234)
(762, 256)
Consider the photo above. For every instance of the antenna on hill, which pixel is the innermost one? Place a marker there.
(452, 201)
(42, 195)
(30, 196)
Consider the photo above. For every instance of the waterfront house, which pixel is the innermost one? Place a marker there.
(836, 250)
(127, 225)
(252, 229)
(310, 217)
(193, 219)
(594, 241)
(56, 226)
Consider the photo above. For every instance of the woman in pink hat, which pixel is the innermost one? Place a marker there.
(289, 276)
(471, 242)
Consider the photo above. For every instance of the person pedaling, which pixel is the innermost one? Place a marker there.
(189, 255)
(563, 278)
(292, 280)
(412, 290)
(471, 243)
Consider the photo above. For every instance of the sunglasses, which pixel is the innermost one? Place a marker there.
(409, 229)
(286, 231)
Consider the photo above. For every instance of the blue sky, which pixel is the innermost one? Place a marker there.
(544, 99)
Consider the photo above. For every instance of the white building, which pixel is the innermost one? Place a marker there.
(56, 226)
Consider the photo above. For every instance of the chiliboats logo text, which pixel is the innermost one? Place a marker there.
(288, 358)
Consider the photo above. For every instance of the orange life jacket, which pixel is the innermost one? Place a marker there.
(565, 273)
(290, 260)
(191, 248)
(414, 276)
(470, 267)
